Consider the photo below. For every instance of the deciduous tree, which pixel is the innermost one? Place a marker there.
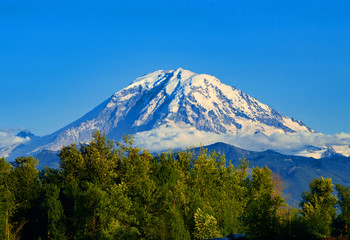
(318, 207)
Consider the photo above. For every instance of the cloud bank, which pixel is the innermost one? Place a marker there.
(8, 137)
(173, 138)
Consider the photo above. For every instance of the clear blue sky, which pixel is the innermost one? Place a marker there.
(60, 59)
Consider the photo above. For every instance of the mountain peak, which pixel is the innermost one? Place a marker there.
(25, 133)
(175, 98)
(152, 77)
(181, 98)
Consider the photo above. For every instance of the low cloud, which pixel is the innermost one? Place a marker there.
(8, 137)
(172, 138)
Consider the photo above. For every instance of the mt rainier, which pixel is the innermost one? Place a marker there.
(180, 98)
(171, 103)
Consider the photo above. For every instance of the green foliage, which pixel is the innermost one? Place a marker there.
(53, 210)
(93, 162)
(24, 180)
(261, 214)
(106, 190)
(318, 208)
(7, 204)
(344, 204)
(205, 225)
(95, 199)
(25, 186)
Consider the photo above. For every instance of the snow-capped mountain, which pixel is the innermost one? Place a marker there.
(175, 109)
(9, 141)
(180, 98)
(172, 99)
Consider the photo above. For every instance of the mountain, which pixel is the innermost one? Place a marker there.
(174, 98)
(177, 108)
(174, 109)
(25, 134)
(295, 171)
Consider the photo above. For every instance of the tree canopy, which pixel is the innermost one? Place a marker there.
(113, 190)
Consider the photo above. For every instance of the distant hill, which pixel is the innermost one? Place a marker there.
(296, 171)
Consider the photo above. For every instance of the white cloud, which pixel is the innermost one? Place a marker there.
(166, 138)
(8, 138)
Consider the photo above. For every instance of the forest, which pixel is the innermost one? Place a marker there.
(113, 190)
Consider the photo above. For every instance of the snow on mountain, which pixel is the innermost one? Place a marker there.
(178, 99)
(324, 152)
(181, 98)
(9, 140)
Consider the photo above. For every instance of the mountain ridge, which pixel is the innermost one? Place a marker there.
(295, 171)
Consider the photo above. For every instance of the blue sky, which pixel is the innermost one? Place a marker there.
(60, 59)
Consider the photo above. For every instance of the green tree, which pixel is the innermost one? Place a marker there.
(115, 214)
(97, 188)
(205, 225)
(25, 186)
(71, 163)
(93, 162)
(261, 215)
(7, 203)
(344, 204)
(229, 202)
(135, 169)
(53, 212)
(53, 217)
(318, 207)
(171, 201)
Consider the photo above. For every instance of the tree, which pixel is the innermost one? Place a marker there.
(135, 168)
(205, 225)
(25, 186)
(318, 207)
(231, 201)
(53, 211)
(262, 210)
(171, 201)
(344, 204)
(94, 198)
(92, 162)
(7, 204)
(115, 214)
(71, 163)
